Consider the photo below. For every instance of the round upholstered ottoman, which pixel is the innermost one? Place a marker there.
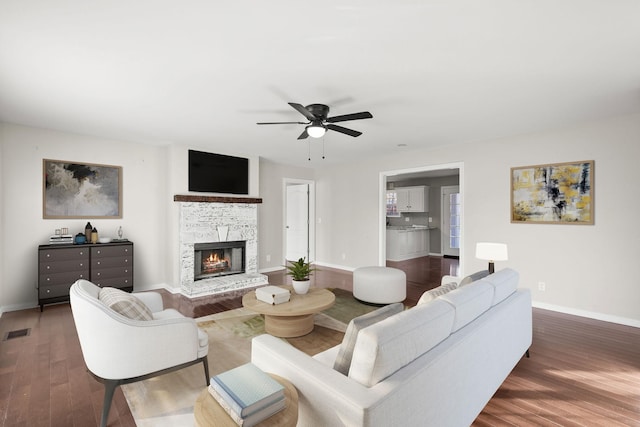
(379, 285)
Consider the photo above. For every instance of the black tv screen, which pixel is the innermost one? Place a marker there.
(217, 173)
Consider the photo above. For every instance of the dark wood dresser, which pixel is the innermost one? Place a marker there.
(105, 264)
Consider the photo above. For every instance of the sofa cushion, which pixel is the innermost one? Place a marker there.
(345, 353)
(504, 282)
(125, 304)
(389, 345)
(434, 293)
(469, 302)
(473, 277)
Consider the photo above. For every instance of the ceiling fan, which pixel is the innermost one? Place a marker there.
(319, 123)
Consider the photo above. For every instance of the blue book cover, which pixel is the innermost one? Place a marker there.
(249, 387)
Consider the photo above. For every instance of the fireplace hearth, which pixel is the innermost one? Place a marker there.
(214, 259)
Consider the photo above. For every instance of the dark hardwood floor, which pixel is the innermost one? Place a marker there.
(581, 372)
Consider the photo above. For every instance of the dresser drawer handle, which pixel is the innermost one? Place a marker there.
(98, 262)
(48, 267)
(48, 255)
(126, 271)
(48, 290)
(81, 253)
(99, 274)
(48, 279)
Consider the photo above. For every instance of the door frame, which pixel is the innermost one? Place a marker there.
(312, 216)
(382, 204)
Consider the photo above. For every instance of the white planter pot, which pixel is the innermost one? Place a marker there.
(301, 286)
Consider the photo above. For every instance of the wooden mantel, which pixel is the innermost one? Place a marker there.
(214, 199)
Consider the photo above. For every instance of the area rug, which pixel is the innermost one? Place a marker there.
(168, 400)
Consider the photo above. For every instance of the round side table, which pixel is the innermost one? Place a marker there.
(208, 412)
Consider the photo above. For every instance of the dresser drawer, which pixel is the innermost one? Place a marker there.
(101, 263)
(63, 254)
(54, 291)
(49, 267)
(108, 273)
(115, 282)
(112, 251)
(66, 277)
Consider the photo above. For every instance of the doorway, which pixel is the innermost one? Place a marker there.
(299, 238)
(431, 172)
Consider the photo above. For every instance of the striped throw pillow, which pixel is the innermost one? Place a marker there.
(436, 292)
(125, 304)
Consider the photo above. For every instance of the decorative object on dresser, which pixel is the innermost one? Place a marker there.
(81, 190)
(109, 264)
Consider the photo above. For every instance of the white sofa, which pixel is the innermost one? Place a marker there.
(436, 364)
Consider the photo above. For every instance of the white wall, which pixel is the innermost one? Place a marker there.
(588, 270)
(271, 211)
(23, 227)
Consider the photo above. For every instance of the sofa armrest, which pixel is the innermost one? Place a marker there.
(153, 300)
(325, 396)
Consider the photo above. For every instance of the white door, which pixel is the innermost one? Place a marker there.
(297, 222)
(451, 224)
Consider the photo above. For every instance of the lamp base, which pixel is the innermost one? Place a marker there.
(491, 267)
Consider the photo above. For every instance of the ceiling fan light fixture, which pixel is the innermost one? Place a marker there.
(316, 130)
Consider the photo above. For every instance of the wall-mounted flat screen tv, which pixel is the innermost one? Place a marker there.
(217, 173)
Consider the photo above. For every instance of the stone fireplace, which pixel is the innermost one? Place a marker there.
(224, 231)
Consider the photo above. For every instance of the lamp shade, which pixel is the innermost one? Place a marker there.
(491, 251)
(316, 131)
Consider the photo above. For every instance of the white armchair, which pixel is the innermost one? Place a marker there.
(119, 350)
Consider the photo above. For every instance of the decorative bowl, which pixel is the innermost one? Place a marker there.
(104, 240)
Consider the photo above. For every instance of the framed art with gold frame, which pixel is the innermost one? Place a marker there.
(557, 193)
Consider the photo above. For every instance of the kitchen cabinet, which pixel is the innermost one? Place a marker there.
(59, 266)
(413, 199)
(407, 243)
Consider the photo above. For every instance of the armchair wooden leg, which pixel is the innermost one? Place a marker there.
(109, 389)
(205, 362)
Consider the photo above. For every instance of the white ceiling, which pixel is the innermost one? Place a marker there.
(202, 73)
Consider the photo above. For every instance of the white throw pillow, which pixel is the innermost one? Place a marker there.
(434, 293)
(345, 353)
(124, 303)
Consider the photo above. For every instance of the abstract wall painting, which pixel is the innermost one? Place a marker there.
(559, 193)
(81, 190)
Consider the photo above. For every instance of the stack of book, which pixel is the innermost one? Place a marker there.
(61, 239)
(247, 394)
(273, 294)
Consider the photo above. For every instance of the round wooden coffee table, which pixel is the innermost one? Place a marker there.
(293, 318)
(208, 412)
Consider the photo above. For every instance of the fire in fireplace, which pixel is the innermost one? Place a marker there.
(218, 259)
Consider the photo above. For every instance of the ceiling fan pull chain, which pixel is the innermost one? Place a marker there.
(323, 148)
(309, 147)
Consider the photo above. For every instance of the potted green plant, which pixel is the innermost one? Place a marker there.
(300, 272)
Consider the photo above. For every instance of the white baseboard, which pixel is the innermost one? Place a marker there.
(16, 307)
(336, 266)
(588, 314)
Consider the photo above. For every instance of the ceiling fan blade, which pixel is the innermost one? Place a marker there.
(354, 116)
(283, 123)
(344, 130)
(303, 111)
(304, 135)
